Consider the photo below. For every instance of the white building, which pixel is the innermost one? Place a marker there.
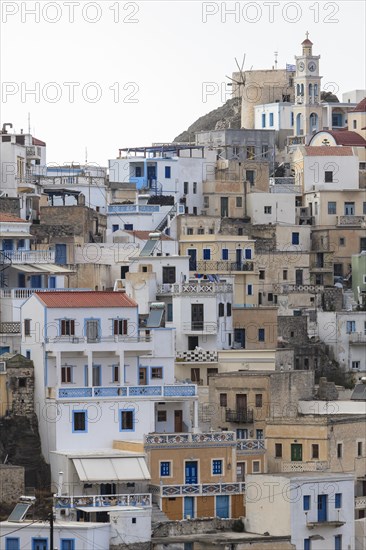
(173, 170)
(98, 376)
(272, 208)
(75, 184)
(345, 333)
(317, 510)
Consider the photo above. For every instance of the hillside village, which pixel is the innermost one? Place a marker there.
(183, 331)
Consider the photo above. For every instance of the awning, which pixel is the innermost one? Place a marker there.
(112, 469)
(41, 268)
(26, 268)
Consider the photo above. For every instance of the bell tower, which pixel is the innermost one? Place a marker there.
(307, 109)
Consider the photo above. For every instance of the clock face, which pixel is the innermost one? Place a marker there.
(301, 66)
(312, 66)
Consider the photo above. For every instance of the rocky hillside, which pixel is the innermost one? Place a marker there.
(226, 116)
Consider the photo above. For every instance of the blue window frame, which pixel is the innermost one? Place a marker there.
(271, 119)
(207, 253)
(21, 243)
(292, 119)
(164, 469)
(338, 500)
(306, 502)
(168, 172)
(115, 227)
(307, 544)
(263, 120)
(12, 543)
(79, 422)
(261, 335)
(217, 467)
(250, 290)
(248, 253)
(39, 544)
(127, 420)
(338, 542)
(351, 327)
(225, 253)
(67, 544)
(295, 238)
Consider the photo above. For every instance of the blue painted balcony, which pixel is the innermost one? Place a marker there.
(95, 501)
(174, 390)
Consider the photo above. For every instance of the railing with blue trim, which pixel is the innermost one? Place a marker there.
(235, 488)
(185, 390)
(85, 501)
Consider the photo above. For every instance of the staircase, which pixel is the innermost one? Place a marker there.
(5, 263)
(164, 222)
(157, 516)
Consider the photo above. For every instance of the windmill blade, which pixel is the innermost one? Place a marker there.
(242, 65)
(236, 81)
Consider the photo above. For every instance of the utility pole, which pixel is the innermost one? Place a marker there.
(51, 518)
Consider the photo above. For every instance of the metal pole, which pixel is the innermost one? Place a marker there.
(51, 530)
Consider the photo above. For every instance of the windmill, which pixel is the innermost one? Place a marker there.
(242, 77)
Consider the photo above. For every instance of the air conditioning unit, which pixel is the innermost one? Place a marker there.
(2, 366)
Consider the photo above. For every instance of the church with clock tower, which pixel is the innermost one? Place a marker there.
(307, 108)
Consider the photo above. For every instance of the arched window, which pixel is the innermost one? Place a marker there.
(302, 89)
(298, 89)
(313, 122)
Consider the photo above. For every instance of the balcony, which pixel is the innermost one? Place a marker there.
(9, 328)
(242, 416)
(25, 293)
(360, 503)
(201, 327)
(29, 256)
(199, 489)
(355, 221)
(357, 338)
(174, 390)
(250, 446)
(189, 439)
(287, 289)
(295, 140)
(212, 266)
(133, 208)
(141, 337)
(143, 499)
(194, 288)
(33, 152)
(310, 466)
(326, 523)
(195, 356)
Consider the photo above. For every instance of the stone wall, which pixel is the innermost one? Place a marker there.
(11, 483)
(21, 385)
(293, 330)
(10, 205)
(287, 388)
(332, 299)
(190, 527)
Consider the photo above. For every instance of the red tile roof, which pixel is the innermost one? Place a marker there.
(347, 137)
(144, 235)
(80, 299)
(36, 141)
(361, 107)
(327, 151)
(5, 217)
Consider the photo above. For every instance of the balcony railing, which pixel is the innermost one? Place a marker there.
(205, 489)
(200, 326)
(287, 289)
(99, 339)
(296, 140)
(244, 416)
(25, 293)
(195, 356)
(250, 445)
(9, 328)
(194, 288)
(357, 338)
(174, 390)
(310, 466)
(360, 503)
(133, 208)
(138, 499)
(182, 439)
(212, 266)
(350, 220)
(29, 256)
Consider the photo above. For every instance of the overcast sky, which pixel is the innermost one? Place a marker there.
(140, 70)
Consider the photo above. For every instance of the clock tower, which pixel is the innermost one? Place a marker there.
(307, 109)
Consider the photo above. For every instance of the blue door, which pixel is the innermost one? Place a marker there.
(8, 245)
(36, 281)
(192, 253)
(52, 282)
(21, 280)
(188, 507)
(239, 337)
(60, 254)
(191, 473)
(151, 174)
(39, 544)
(238, 255)
(322, 507)
(222, 506)
(12, 543)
